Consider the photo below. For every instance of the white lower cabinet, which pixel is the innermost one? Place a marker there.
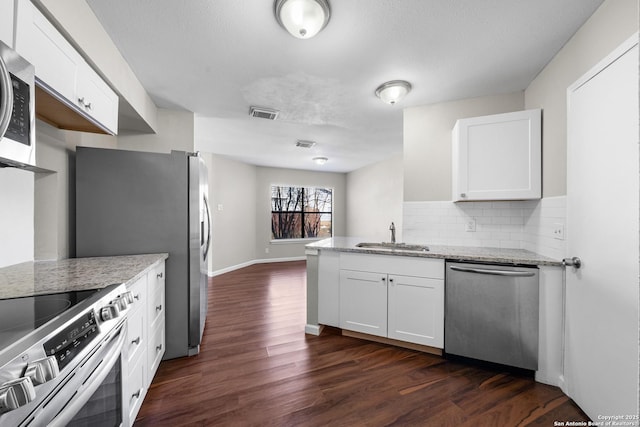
(145, 335)
(416, 310)
(137, 388)
(363, 302)
(394, 297)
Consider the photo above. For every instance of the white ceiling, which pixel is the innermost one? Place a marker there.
(218, 57)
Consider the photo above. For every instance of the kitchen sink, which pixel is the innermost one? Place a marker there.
(393, 246)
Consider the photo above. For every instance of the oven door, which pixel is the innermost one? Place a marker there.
(93, 393)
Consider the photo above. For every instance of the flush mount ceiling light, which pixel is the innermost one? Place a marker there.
(320, 160)
(302, 18)
(393, 91)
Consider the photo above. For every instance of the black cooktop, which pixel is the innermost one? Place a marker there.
(20, 316)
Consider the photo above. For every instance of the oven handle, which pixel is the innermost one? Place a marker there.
(97, 377)
(6, 98)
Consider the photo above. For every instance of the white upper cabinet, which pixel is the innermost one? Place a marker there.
(6, 22)
(64, 75)
(498, 157)
(96, 98)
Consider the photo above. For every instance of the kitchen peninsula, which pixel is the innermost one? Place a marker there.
(334, 297)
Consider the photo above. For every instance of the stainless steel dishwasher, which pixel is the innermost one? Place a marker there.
(491, 313)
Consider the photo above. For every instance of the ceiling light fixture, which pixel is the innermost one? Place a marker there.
(393, 91)
(320, 160)
(302, 18)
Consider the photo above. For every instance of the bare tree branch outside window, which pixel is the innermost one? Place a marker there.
(301, 212)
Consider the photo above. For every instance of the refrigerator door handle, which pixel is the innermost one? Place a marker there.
(208, 243)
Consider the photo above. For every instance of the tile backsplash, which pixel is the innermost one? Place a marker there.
(535, 225)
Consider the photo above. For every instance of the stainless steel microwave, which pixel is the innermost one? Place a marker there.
(17, 109)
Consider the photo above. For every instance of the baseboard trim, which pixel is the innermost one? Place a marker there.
(313, 329)
(383, 340)
(252, 262)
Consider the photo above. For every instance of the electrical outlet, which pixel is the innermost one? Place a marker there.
(470, 225)
(558, 231)
(220, 207)
(266, 250)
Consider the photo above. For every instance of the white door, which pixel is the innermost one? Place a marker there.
(601, 357)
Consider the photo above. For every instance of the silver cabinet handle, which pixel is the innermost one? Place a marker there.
(509, 273)
(159, 275)
(137, 296)
(136, 394)
(136, 341)
(159, 347)
(158, 307)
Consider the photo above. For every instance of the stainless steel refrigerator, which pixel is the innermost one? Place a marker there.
(130, 202)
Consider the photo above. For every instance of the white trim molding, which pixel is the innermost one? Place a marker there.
(252, 262)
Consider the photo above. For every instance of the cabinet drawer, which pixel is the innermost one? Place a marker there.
(136, 388)
(136, 330)
(392, 264)
(156, 348)
(156, 307)
(139, 291)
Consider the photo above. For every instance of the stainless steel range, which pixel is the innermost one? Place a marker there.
(61, 358)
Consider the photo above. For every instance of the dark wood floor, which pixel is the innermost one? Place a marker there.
(257, 367)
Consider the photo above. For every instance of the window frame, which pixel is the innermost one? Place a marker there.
(302, 214)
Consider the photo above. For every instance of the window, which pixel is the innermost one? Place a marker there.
(300, 212)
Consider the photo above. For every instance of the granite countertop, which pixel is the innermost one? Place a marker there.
(466, 253)
(73, 274)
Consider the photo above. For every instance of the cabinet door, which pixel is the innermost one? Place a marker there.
(55, 60)
(498, 157)
(416, 310)
(6, 22)
(363, 302)
(96, 98)
(136, 388)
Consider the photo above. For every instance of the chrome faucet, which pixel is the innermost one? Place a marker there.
(393, 232)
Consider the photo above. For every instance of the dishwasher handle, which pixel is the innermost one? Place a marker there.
(509, 273)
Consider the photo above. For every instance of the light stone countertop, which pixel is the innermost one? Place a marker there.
(73, 274)
(466, 253)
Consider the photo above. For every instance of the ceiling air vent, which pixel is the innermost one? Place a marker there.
(263, 113)
(305, 144)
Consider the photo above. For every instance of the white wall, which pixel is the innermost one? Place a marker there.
(16, 216)
(54, 193)
(175, 131)
(375, 195)
(614, 22)
(232, 200)
(265, 177)
(427, 141)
